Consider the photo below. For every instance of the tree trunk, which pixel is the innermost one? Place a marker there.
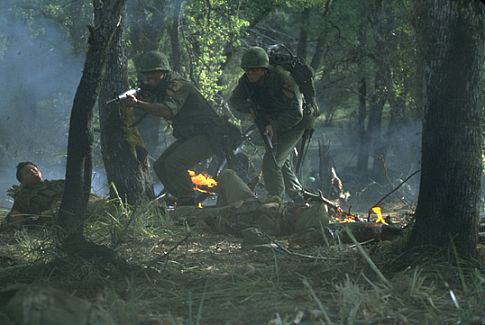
(124, 155)
(175, 39)
(448, 202)
(363, 154)
(380, 26)
(301, 50)
(107, 15)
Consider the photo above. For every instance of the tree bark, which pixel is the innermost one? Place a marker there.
(301, 50)
(124, 155)
(107, 15)
(448, 202)
(175, 39)
(363, 154)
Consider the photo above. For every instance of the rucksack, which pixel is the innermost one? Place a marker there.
(302, 73)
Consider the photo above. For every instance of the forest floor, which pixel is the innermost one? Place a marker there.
(175, 275)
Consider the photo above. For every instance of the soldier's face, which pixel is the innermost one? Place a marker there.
(153, 78)
(255, 74)
(30, 175)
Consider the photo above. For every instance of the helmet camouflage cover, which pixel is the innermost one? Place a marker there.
(255, 57)
(153, 61)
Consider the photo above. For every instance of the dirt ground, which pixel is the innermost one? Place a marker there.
(172, 274)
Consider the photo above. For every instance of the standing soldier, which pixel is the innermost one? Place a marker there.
(169, 96)
(273, 99)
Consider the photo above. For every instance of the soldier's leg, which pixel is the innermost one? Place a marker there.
(159, 165)
(273, 174)
(232, 188)
(292, 183)
(172, 166)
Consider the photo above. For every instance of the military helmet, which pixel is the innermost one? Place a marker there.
(255, 57)
(153, 61)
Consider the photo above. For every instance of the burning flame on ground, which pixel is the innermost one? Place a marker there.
(199, 205)
(341, 217)
(378, 212)
(202, 182)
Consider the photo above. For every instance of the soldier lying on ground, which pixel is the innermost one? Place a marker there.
(37, 198)
(240, 213)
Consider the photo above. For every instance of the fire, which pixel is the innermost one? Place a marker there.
(199, 205)
(378, 212)
(202, 182)
(341, 217)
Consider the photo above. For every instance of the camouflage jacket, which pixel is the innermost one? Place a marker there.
(41, 198)
(192, 114)
(276, 98)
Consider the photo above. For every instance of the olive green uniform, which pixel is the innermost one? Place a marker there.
(44, 198)
(193, 121)
(277, 100)
(238, 209)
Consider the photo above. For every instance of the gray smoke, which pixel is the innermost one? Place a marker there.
(39, 77)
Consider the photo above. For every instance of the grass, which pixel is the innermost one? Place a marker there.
(180, 275)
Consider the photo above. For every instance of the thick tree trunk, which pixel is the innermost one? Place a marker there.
(124, 155)
(448, 203)
(107, 16)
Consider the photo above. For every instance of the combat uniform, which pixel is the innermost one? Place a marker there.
(277, 100)
(43, 200)
(238, 209)
(193, 121)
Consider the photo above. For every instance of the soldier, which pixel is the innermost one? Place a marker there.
(193, 121)
(36, 198)
(238, 209)
(273, 99)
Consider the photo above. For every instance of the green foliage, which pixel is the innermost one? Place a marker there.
(210, 28)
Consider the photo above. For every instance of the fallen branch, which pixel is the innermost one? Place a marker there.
(180, 242)
(388, 194)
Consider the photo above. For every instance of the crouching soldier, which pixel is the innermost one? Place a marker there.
(196, 126)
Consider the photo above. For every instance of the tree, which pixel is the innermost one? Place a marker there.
(107, 17)
(124, 155)
(448, 202)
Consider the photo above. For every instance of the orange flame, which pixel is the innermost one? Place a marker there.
(199, 205)
(202, 182)
(378, 212)
(348, 217)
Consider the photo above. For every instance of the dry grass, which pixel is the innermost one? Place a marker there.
(204, 278)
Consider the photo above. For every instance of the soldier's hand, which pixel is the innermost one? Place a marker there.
(269, 131)
(131, 100)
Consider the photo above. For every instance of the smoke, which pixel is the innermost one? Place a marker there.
(40, 74)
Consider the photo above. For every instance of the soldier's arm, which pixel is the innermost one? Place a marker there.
(157, 109)
(289, 103)
(239, 100)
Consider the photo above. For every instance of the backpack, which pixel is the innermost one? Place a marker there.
(302, 73)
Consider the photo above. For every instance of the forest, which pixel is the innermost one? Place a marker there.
(373, 213)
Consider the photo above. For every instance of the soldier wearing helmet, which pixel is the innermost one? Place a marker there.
(271, 95)
(189, 113)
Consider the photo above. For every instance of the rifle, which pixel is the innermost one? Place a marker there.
(305, 143)
(122, 96)
(260, 123)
